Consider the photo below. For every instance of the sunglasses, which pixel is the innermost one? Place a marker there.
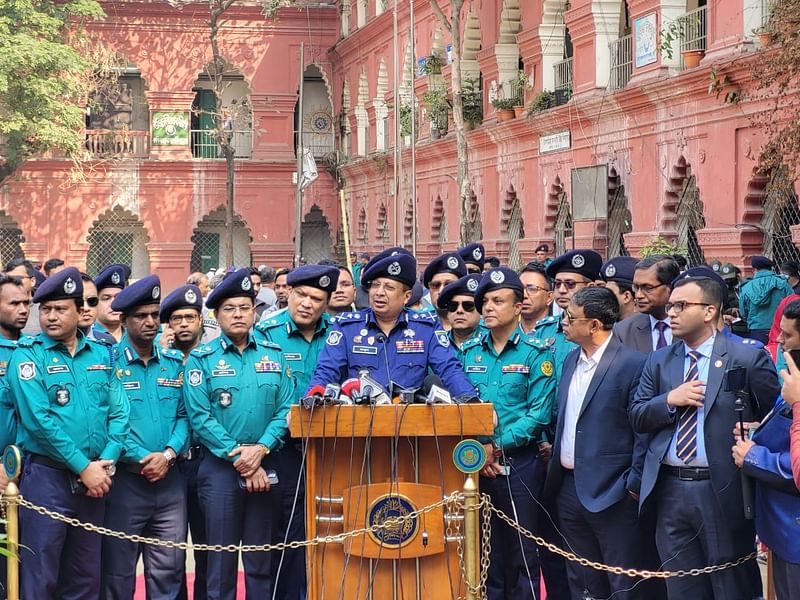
(467, 305)
(91, 301)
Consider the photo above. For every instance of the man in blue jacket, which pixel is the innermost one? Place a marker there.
(760, 297)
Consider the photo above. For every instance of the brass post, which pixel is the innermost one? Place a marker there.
(12, 531)
(472, 564)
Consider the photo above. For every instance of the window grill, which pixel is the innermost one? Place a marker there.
(474, 224)
(689, 220)
(209, 243)
(363, 226)
(516, 232)
(562, 231)
(780, 213)
(118, 236)
(315, 237)
(11, 239)
(619, 220)
(383, 226)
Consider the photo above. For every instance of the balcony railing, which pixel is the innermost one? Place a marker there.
(621, 62)
(693, 31)
(118, 143)
(205, 145)
(766, 10)
(321, 145)
(563, 76)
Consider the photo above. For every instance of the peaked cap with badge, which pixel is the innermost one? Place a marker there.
(497, 279)
(466, 286)
(113, 276)
(761, 262)
(449, 262)
(393, 251)
(63, 285)
(186, 296)
(473, 254)
(145, 291)
(582, 262)
(401, 267)
(619, 269)
(322, 277)
(235, 285)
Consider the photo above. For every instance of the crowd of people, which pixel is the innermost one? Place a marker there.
(647, 414)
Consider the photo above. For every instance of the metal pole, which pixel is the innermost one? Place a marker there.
(413, 42)
(345, 230)
(398, 231)
(472, 575)
(298, 208)
(12, 531)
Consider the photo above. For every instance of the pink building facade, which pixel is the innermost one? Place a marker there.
(629, 145)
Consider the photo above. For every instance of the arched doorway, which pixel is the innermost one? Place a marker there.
(118, 236)
(209, 250)
(315, 236)
(780, 213)
(11, 239)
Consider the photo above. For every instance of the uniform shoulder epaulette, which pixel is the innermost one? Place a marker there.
(27, 341)
(471, 343)
(351, 317)
(537, 343)
(202, 350)
(423, 317)
(547, 321)
(268, 324)
(172, 353)
(268, 344)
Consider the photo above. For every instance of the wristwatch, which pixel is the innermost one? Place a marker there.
(266, 449)
(170, 455)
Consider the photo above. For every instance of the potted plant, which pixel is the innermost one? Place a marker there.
(764, 34)
(405, 123)
(471, 102)
(541, 102)
(433, 65)
(692, 58)
(438, 111)
(504, 107)
(518, 86)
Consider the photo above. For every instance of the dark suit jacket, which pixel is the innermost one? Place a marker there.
(608, 455)
(634, 332)
(650, 414)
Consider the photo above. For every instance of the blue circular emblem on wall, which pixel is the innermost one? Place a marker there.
(469, 456)
(391, 506)
(12, 462)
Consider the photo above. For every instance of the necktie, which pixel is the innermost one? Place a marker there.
(662, 339)
(686, 446)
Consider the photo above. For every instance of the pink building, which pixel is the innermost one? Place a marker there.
(628, 144)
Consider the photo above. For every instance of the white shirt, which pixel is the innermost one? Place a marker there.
(654, 331)
(578, 386)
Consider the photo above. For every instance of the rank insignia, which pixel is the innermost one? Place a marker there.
(409, 333)
(547, 368)
(357, 339)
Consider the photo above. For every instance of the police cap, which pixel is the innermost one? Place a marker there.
(145, 291)
(582, 262)
(186, 296)
(542, 248)
(473, 253)
(235, 285)
(497, 279)
(401, 267)
(113, 276)
(449, 262)
(761, 262)
(63, 285)
(466, 286)
(619, 269)
(322, 277)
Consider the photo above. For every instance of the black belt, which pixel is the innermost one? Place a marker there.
(512, 452)
(134, 468)
(49, 462)
(688, 473)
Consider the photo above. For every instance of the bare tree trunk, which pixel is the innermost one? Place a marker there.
(217, 8)
(453, 25)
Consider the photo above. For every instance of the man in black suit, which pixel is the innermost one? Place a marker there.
(689, 476)
(595, 472)
(652, 283)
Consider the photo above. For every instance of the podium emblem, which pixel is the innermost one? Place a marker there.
(469, 456)
(392, 506)
(12, 461)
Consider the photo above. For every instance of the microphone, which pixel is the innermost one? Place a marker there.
(467, 399)
(351, 390)
(435, 390)
(314, 396)
(331, 395)
(372, 391)
(380, 338)
(736, 382)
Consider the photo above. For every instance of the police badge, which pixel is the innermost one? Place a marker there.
(62, 396)
(190, 296)
(27, 371)
(452, 262)
(69, 286)
(225, 399)
(394, 269)
(195, 377)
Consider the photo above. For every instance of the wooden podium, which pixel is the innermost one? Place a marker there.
(365, 464)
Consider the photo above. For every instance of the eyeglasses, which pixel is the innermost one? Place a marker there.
(569, 284)
(568, 318)
(231, 309)
(467, 305)
(532, 289)
(679, 307)
(646, 288)
(189, 319)
(91, 301)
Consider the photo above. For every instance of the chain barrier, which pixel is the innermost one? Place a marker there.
(453, 503)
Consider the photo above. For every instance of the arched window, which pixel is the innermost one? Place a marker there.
(780, 213)
(209, 237)
(118, 236)
(10, 239)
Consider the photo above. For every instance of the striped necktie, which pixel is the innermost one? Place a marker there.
(686, 446)
(662, 338)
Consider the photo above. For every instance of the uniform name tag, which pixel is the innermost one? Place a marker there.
(516, 369)
(223, 373)
(365, 350)
(410, 347)
(476, 369)
(131, 385)
(165, 382)
(57, 369)
(293, 356)
(268, 367)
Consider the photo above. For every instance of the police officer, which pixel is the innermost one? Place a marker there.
(237, 396)
(474, 257)
(617, 275)
(395, 345)
(535, 319)
(181, 314)
(516, 374)
(14, 310)
(110, 282)
(458, 300)
(148, 497)
(300, 332)
(73, 424)
(89, 313)
(442, 270)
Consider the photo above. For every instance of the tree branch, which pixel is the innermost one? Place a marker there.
(437, 10)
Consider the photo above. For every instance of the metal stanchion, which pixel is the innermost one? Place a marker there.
(472, 565)
(12, 532)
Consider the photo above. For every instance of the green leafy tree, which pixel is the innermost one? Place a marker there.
(48, 71)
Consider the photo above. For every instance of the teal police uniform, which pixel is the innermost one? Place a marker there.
(8, 417)
(520, 382)
(235, 398)
(72, 411)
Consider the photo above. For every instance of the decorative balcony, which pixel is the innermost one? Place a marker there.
(692, 32)
(563, 81)
(205, 145)
(118, 143)
(621, 62)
